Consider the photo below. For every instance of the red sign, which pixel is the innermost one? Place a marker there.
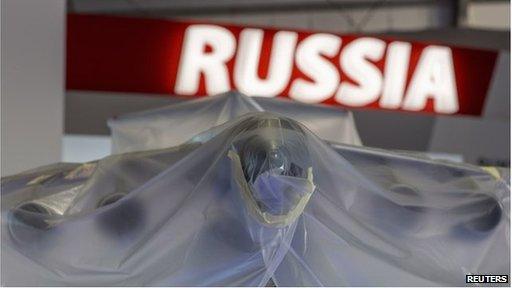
(195, 59)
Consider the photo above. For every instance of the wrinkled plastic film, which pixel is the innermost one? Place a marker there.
(415, 222)
(262, 198)
(179, 215)
(178, 123)
(272, 166)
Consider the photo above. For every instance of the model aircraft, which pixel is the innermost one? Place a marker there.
(259, 198)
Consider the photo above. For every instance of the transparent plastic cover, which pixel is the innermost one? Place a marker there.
(175, 124)
(262, 199)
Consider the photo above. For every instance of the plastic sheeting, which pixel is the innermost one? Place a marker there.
(262, 199)
(175, 124)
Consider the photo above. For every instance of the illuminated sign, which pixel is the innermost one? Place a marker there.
(433, 77)
(204, 59)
